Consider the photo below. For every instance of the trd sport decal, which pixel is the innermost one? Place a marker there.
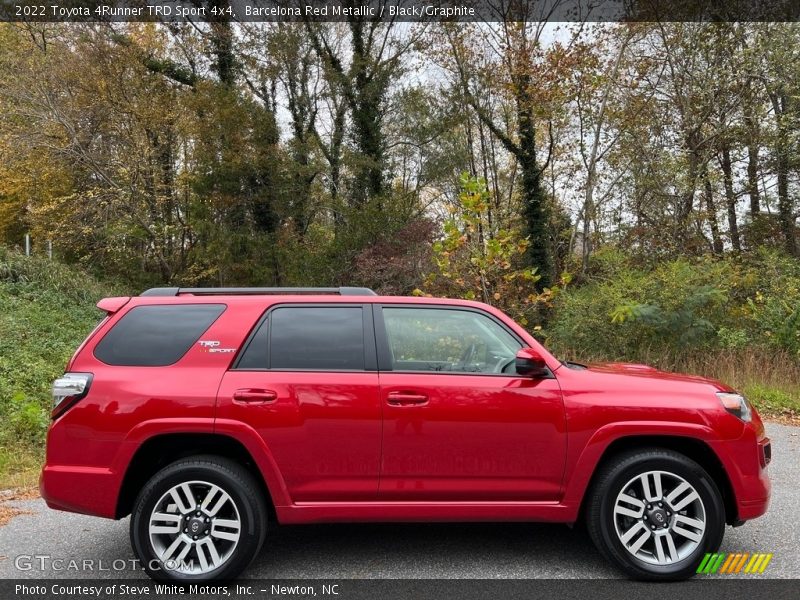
(212, 347)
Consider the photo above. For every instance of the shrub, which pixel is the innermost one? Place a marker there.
(482, 257)
(46, 309)
(27, 421)
(681, 306)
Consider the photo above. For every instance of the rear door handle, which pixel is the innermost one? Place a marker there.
(254, 396)
(406, 399)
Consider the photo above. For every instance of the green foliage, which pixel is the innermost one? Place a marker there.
(629, 313)
(46, 309)
(27, 419)
(481, 256)
(773, 400)
(732, 338)
(683, 325)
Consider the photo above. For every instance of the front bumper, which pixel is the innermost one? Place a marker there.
(745, 460)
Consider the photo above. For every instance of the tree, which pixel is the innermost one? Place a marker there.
(375, 59)
(472, 265)
(597, 88)
(778, 45)
(516, 45)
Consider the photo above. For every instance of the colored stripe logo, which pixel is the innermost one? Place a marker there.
(734, 563)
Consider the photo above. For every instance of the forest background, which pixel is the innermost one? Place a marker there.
(627, 192)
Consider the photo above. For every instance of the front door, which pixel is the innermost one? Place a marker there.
(307, 383)
(459, 423)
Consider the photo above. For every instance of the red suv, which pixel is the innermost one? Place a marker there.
(208, 413)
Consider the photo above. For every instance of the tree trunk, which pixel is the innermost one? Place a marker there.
(730, 197)
(716, 239)
(535, 210)
(686, 201)
(780, 103)
(785, 204)
(222, 43)
(752, 178)
(366, 98)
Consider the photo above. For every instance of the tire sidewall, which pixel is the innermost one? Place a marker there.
(712, 504)
(253, 524)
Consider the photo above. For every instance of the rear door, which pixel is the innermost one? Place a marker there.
(307, 382)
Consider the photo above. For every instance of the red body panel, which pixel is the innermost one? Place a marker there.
(477, 437)
(323, 429)
(331, 447)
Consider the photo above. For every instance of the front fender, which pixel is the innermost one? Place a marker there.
(583, 463)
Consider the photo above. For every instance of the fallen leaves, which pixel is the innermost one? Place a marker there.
(7, 510)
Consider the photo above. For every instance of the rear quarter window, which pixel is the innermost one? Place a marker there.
(156, 336)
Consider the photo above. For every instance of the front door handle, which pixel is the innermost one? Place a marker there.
(406, 399)
(254, 396)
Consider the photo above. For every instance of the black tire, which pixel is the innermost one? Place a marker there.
(609, 482)
(242, 488)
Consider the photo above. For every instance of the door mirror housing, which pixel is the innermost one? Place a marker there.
(530, 363)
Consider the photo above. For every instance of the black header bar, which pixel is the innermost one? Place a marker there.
(244, 11)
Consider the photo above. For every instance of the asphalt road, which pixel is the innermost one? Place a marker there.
(406, 550)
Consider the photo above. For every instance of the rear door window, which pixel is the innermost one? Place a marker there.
(156, 336)
(309, 338)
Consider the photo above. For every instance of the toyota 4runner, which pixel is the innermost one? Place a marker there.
(207, 414)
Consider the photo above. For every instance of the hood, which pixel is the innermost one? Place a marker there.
(646, 371)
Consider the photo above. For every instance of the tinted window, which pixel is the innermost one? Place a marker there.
(316, 338)
(255, 355)
(433, 339)
(155, 336)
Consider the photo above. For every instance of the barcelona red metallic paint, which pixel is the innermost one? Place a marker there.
(387, 446)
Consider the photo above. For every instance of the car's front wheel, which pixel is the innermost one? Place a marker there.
(198, 519)
(655, 513)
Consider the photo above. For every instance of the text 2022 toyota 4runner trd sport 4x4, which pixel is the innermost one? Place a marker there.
(207, 413)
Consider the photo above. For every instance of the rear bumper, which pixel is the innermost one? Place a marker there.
(86, 490)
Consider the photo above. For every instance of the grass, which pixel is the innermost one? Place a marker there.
(769, 378)
(19, 467)
(46, 310)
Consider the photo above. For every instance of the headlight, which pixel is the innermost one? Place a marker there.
(736, 404)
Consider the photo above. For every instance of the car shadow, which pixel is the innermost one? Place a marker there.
(429, 550)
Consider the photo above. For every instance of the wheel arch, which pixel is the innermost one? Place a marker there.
(691, 447)
(160, 450)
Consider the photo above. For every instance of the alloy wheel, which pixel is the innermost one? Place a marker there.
(659, 517)
(194, 527)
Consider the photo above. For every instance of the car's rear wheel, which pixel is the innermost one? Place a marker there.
(198, 519)
(655, 513)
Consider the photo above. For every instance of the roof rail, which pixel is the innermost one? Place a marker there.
(255, 291)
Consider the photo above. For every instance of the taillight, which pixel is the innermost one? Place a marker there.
(68, 389)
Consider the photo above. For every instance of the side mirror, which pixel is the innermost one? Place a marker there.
(530, 363)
